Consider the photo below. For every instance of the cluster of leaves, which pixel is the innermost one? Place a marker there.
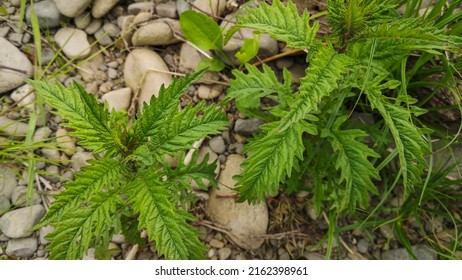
(310, 131)
(130, 177)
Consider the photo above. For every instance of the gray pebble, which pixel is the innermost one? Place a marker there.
(43, 233)
(83, 20)
(217, 144)
(22, 248)
(51, 154)
(118, 238)
(41, 133)
(112, 73)
(111, 29)
(94, 26)
(168, 9)
(79, 159)
(15, 38)
(67, 176)
(40, 165)
(136, 8)
(19, 197)
(103, 38)
(182, 6)
(285, 62)
(47, 13)
(247, 127)
(8, 181)
(224, 253)
(363, 246)
(422, 252)
(26, 38)
(52, 173)
(16, 223)
(4, 203)
(4, 30)
(113, 64)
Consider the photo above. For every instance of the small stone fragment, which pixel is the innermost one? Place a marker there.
(247, 127)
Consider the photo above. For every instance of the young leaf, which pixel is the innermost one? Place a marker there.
(214, 65)
(281, 22)
(186, 127)
(201, 30)
(248, 89)
(158, 111)
(249, 49)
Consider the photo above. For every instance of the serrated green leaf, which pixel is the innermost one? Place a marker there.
(248, 89)
(357, 171)
(85, 115)
(408, 138)
(164, 222)
(183, 174)
(406, 35)
(95, 177)
(82, 227)
(201, 30)
(186, 127)
(156, 114)
(272, 158)
(282, 23)
(325, 70)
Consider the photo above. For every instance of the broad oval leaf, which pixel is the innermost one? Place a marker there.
(201, 30)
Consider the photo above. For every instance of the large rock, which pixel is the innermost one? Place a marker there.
(157, 33)
(244, 221)
(74, 42)
(17, 223)
(102, 7)
(144, 73)
(10, 56)
(47, 13)
(8, 181)
(72, 8)
(22, 248)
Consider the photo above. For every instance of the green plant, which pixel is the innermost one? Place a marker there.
(130, 177)
(205, 34)
(310, 132)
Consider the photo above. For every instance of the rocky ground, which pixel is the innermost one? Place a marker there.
(122, 51)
